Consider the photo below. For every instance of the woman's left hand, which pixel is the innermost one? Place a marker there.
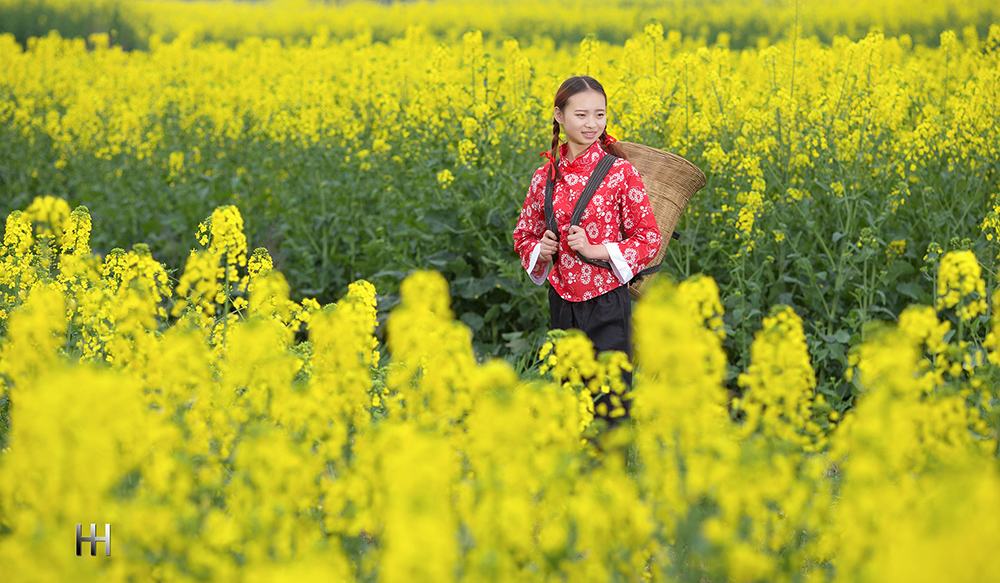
(579, 242)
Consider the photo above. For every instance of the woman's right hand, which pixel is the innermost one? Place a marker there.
(550, 245)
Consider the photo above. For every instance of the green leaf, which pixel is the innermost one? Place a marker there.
(912, 290)
(472, 320)
(899, 268)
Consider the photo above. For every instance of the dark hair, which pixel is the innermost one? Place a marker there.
(569, 88)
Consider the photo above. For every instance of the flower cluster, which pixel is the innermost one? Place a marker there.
(779, 386)
(222, 234)
(701, 294)
(47, 213)
(570, 360)
(960, 285)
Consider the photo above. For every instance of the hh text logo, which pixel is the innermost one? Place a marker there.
(93, 538)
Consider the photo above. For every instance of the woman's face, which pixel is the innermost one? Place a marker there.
(583, 118)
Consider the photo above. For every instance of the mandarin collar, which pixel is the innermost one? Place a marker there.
(585, 162)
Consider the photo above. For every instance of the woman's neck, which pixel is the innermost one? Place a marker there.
(574, 151)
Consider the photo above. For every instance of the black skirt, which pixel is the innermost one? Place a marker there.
(607, 321)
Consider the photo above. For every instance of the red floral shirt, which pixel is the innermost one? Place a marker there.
(619, 217)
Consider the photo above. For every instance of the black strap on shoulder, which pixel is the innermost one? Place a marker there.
(550, 214)
(595, 180)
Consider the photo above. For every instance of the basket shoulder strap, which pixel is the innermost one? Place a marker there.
(550, 215)
(595, 180)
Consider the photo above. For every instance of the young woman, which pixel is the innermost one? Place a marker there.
(618, 225)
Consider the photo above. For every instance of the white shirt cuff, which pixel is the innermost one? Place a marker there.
(531, 266)
(618, 264)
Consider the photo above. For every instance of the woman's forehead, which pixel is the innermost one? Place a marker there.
(587, 100)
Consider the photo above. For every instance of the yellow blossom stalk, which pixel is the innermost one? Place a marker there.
(960, 285)
(779, 385)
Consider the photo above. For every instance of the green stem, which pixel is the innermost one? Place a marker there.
(791, 94)
(687, 112)
(830, 312)
(225, 313)
(961, 329)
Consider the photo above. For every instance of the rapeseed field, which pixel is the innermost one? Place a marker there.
(259, 310)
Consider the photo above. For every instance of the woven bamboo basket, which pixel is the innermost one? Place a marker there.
(670, 183)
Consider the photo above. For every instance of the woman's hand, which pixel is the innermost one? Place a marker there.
(579, 242)
(549, 246)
